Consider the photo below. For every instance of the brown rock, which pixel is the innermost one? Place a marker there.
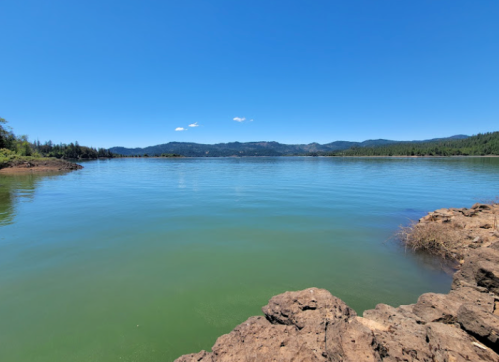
(313, 325)
(196, 357)
(293, 329)
(305, 308)
(404, 338)
(487, 276)
(479, 269)
(258, 340)
(432, 307)
(484, 326)
(352, 340)
(479, 206)
(448, 343)
(468, 213)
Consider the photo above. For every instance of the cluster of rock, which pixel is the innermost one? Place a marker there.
(473, 228)
(313, 325)
(42, 164)
(66, 166)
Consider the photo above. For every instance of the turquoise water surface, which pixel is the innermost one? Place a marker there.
(147, 259)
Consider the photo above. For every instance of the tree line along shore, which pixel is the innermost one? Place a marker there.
(483, 144)
(18, 154)
(18, 151)
(486, 144)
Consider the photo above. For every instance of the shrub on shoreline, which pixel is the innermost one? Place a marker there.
(440, 239)
(10, 158)
(449, 233)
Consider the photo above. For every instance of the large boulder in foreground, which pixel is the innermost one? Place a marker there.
(293, 329)
(313, 325)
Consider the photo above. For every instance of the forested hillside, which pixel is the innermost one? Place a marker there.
(189, 149)
(70, 151)
(12, 146)
(479, 145)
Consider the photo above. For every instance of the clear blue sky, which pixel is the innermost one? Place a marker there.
(128, 73)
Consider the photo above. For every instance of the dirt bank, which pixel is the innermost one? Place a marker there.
(38, 165)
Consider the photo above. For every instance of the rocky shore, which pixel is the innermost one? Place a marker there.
(453, 231)
(38, 165)
(313, 325)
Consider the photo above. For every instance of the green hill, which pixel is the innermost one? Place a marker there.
(190, 149)
(481, 144)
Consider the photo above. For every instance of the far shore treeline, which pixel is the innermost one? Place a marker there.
(483, 144)
(460, 145)
(12, 146)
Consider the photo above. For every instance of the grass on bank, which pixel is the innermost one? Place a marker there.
(440, 239)
(446, 240)
(10, 158)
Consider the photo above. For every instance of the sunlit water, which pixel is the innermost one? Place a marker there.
(147, 259)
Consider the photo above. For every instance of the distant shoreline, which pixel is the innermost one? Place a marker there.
(458, 145)
(398, 156)
(59, 165)
(395, 156)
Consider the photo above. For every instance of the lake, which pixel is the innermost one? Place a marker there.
(148, 259)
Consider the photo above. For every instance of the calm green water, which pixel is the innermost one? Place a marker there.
(144, 260)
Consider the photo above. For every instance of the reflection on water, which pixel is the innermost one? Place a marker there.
(17, 188)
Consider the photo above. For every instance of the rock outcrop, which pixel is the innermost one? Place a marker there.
(39, 165)
(313, 325)
(465, 228)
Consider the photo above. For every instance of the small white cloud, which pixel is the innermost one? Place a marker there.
(194, 124)
(239, 119)
(180, 129)
(251, 120)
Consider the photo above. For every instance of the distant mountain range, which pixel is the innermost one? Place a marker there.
(189, 149)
